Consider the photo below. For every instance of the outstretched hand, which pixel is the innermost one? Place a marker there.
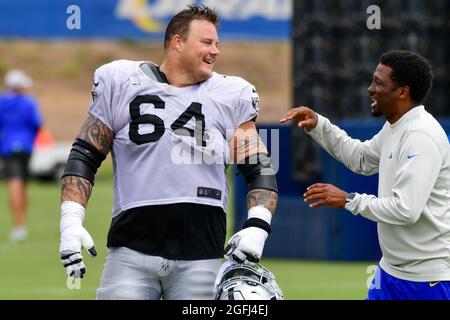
(304, 116)
(326, 195)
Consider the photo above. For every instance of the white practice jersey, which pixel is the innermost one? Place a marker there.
(413, 204)
(171, 144)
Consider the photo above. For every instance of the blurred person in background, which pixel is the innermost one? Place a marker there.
(168, 230)
(412, 155)
(20, 121)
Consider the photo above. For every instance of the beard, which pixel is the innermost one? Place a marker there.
(375, 110)
(376, 113)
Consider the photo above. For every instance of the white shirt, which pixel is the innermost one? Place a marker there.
(413, 204)
(171, 144)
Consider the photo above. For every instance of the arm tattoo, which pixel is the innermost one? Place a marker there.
(251, 145)
(243, 146)
(246, 145)
(97, 133)
(267, 198)
(76, 189)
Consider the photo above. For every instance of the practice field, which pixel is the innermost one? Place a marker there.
(32, 269)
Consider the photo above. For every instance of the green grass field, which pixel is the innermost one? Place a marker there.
(32, 269)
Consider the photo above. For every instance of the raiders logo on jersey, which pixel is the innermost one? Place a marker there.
(95, 90)
(255, 103)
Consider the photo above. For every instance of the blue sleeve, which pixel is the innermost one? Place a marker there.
(35, 118)
(1, 106)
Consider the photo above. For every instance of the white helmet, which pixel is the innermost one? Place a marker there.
(248, 282)
(17, 79)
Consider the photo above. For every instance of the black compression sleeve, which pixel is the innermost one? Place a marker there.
(259, 172)
(84, 160)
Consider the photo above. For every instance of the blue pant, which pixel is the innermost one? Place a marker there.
(387, 287)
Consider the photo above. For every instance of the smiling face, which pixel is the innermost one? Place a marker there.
(198, 51)
(383, 92)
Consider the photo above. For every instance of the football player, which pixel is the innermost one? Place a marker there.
(172, 129)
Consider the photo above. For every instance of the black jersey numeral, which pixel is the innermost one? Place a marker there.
(193, 111)
(178, 126)
(137, 118)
